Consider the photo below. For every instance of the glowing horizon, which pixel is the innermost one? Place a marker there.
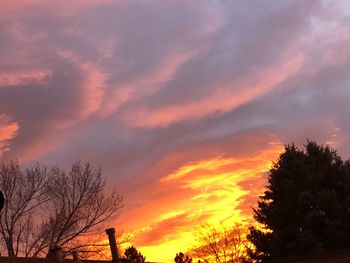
(219, 189)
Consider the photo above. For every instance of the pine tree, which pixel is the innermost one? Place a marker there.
(133, 255)
(182, 258)
(306, 205)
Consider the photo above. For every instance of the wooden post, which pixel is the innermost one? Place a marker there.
(75, 257)
(113, 244)
(55, 254)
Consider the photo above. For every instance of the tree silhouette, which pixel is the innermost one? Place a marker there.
(133, 255)
(220, 244)
(78, 206)
(306, 205)
(182, 258)
(24, 192)
(47, 208)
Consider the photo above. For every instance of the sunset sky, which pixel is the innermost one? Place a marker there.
(183, 104)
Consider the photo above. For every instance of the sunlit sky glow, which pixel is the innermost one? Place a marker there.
(184, 104)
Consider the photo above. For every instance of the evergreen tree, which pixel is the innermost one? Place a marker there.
(133, 255)
(306, 205)
(182, 258)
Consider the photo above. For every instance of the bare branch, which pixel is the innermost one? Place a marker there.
(23, 192)
(45, 208)
(77, 205)
(220, 245)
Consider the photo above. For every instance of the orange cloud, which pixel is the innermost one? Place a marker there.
(218, 190)
(8, 131)
(167, 229)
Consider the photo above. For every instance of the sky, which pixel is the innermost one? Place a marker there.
(183, 104)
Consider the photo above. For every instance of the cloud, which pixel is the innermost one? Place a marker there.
(205, 190)
(56, 6)
(223, 101)
(45, 108)
(24, 78)
(213, 189)
(88, 65)
(167, 229)
(8, 131)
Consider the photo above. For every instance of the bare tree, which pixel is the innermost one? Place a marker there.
(24, 192)
(220, 244)
(44, 209)
(77, 207)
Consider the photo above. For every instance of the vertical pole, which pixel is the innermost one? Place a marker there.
(55, 253)
(113, 244)
(75, 257)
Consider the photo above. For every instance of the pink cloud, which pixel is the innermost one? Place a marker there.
(8, 131)
(224, 100)
(61, 7)
(93, 84)
(29, 77)
(145, 85)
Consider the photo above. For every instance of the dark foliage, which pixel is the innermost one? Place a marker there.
(131, 254)
(306, 205)
(182, 258)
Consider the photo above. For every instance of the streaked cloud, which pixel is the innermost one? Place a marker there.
(24, 78)
(226, 98)
(209, 190)
(8, 131)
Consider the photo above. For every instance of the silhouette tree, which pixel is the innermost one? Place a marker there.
(77, 207)
(47, 208)
(306, 205)
(131, 254)
(220, 244)
(182, 258)
(24, 192)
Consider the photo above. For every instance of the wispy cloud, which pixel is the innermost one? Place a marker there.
(8, 131)
(209, 190)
